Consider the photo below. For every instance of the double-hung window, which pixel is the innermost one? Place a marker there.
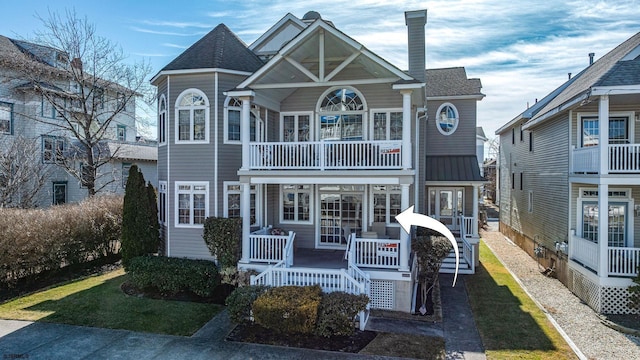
(387, 200)
(6, 118)
(233, 119)
(296, 127)
(59, 192)
(52, 149)
(192, 113)
(295, 205)
(121, 133)
(192, 206)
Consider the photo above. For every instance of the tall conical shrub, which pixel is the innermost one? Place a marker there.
(139, 218)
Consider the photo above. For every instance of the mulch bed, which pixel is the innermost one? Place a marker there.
(260, 335)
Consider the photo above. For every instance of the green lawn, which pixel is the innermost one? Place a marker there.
(510, 324)
(98, 301)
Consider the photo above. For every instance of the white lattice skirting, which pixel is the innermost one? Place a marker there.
(382, 294)
(602, 299)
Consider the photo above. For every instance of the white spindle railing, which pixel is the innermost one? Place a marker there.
(586, 159)
(624, 158)
(377, 253)
(624, 261)
(468, 254)
(584, 251)
(267, 248)
(466, 229)
(326, 155)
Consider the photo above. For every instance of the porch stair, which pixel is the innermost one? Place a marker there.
(449, 263)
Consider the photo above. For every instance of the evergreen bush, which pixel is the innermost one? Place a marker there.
(223, 237)
(337, 313)
(240, 301)
(288, 309)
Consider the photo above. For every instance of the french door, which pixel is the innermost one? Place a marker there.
(446, 205)
(340, 214)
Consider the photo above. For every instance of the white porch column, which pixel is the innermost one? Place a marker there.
(245, 131)
(406, 129)
(405, 239)
(603, 230)
(475, 210)
(603, 130)
(245, 213)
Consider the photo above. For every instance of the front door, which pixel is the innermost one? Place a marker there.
(340, 214)
(447, 205)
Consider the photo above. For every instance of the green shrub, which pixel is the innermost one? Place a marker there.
(239, 302)
(223, 237)
(288, 309)
(140, 234)
(173, 275)
(37, 240)
(337, 312)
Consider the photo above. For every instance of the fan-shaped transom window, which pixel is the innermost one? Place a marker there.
(447, 119)
(192, 114)
(341, 113)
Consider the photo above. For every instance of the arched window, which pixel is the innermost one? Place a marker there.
(192, 115)
(447, 119)
(341, 112)
(162, 121)
(233, 119)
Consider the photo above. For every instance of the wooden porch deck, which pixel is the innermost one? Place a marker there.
(319, 258)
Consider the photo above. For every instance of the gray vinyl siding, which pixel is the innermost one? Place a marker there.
(463, 140)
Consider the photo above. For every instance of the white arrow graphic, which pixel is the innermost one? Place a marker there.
(408, 218)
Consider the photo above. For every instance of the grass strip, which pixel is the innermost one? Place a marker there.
(510, 323)
(97, 301)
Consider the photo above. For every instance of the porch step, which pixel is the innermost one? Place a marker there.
(449, 263)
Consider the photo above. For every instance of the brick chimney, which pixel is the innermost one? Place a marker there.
(415, 21)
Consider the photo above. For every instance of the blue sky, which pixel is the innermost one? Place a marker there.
(520, 50)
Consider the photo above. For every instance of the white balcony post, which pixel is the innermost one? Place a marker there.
(603, 140)
(475, 211)
(406, 128)
(603, 230)
(405, 239)
(245, 131)
(245, 210)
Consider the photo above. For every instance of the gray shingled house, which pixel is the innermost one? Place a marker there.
(318, 143)
(556, 172)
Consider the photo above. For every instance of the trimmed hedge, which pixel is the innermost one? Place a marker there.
(239, 302)
(223, 237)
(288, 309)
(37, 240)
(337, 312)
(173, 275)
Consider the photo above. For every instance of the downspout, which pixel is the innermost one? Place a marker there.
(168, 138)
(215, 147)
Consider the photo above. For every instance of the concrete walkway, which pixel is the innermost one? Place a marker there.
(29, 340)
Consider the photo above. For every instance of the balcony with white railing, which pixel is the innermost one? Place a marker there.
(326, 155)
(622, 159)
(621, 261)
(268, 248)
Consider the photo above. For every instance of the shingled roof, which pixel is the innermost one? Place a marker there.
(220, 48)
(451, 82)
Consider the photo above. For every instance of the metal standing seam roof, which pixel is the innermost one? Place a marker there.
(453, 168)
(220, 48)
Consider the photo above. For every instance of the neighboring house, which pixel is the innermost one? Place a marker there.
(481, 138)
(25, 113)
(490, 173)
(556, 172)
(318, 144)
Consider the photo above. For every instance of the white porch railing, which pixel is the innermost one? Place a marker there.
(321, 155)
(623, 158)
(623, 261)
(584, 251)
(376, 253)
(270, 249)
(468, 251)
(466, 226)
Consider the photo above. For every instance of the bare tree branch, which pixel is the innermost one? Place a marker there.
(22, 174)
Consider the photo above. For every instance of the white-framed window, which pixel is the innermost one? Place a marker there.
(121, 133)
(233, 119)
(59, 192)
(233, 203)
(620, 221)
(162, 121)
(342, 112)
(386, 124)
(126, 167)
(530, 201)
(386, 201)
(620, 128)
(6, 118)
(295, 127)
(192, 203)
(447, 119)
(296, 204)
(52, 149)
(192, 117)
(162, 202)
